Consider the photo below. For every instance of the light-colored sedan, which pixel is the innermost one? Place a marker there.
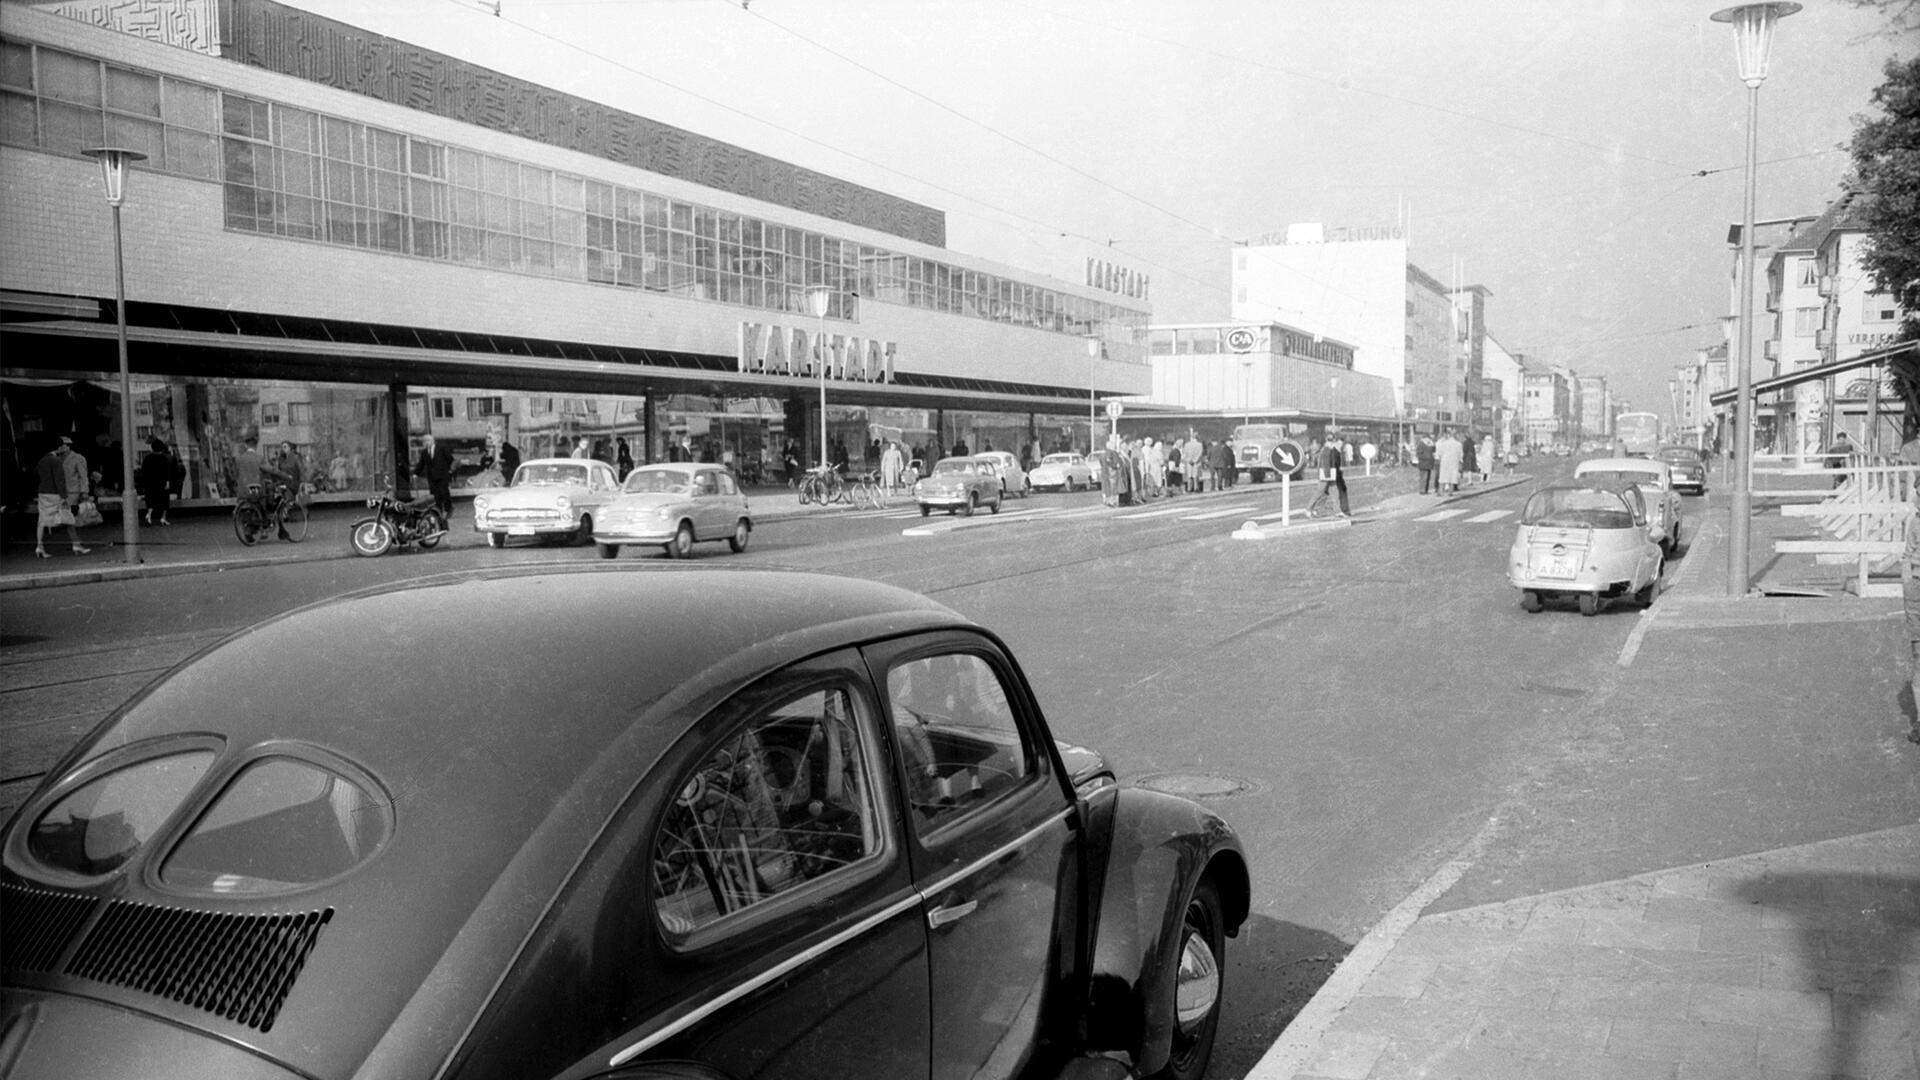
(962, 484)
(675, 506)
(1067, 471)
(1588, 540)
(1653, 477)
(549, 498)
(1013, 478)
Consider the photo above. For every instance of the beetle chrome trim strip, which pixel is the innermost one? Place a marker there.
(773, 974)
(930, 891)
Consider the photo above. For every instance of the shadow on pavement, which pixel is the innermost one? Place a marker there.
(1854, 932)
(1273, 969)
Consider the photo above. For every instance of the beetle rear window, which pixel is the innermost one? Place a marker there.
(99, 825)
(280, 823)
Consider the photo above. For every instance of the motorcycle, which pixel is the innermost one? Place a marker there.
(398, 522)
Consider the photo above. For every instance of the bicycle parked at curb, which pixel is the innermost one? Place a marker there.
(869, 492)
(260, 513)
(823, 485)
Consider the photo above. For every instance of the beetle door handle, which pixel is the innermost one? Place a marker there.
(941, 916)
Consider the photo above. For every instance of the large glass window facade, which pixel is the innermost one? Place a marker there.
(296, 173)
(64, 104)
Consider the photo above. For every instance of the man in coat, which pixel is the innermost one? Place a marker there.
(436, 467)
(1450, 455)
(1423, 456)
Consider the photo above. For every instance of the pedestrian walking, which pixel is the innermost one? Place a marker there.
(1486, 457)
(1836, 455)
(1448, 454)
(1333, 476)
(509, 461)
(50, 503)
(1423, 456)
(891, 464)
(79, 481)
(1469, 459)
(1193, 456)
(155, 479)
(622, 457)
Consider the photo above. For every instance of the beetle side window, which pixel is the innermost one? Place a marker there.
(958, 737)
(783, 801)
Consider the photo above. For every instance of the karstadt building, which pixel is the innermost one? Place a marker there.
(343, 241)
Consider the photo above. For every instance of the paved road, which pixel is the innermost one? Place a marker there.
(1374, 690)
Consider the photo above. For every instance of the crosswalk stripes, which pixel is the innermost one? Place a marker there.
(1442, 515)
(1491, 515)
(1224, 511)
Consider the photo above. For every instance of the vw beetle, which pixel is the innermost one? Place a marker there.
(696, 824)
(1586, 540)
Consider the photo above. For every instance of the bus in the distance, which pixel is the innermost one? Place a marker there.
(1638, 433)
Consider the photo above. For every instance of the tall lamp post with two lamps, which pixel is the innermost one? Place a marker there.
(1753, 39)
(114, 161)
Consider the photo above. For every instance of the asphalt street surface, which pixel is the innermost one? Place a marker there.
(1358, 701)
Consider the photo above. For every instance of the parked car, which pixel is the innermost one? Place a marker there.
(1689, 467)
(1066, 470)
(962, 484)
(692, 823)
(550, 498)
(1587, 540)
(1656, 479)
(675, 506)
(1013, 478)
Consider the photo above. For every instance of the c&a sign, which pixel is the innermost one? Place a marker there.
(776, 349)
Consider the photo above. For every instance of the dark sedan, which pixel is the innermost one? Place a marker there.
(684, 824)
(1689, 468)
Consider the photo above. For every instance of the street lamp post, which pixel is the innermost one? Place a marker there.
(114, 161)
(819, 297)
(1093, 375)
(1333, 409)
(1753, 39)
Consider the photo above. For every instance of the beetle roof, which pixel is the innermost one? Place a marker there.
(507, 714)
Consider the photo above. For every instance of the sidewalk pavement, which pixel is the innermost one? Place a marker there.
(1795, 963)
(202, 540)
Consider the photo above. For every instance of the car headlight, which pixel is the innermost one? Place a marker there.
(562, 502)
(663, 511)
(479, 503)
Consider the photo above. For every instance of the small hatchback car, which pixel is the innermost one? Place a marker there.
(1689, 467)
(1586, 540)
(1656, 484)
(695, 824)
(675, 506)
(962, 484)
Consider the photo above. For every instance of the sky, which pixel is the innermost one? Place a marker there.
(1581, 161)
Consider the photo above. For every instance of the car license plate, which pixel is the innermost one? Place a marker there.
(1554, 568)
(519, 530)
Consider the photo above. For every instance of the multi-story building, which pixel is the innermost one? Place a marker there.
(1596, 408)
(1792, 338)
(1503, 368)
(1350, 284)
(1546, 397)
(347, 241)
(1857, 318)
(1430, 390)
(1255, 368)
(1470, 336)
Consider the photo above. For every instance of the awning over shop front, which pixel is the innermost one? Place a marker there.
(1905, 353)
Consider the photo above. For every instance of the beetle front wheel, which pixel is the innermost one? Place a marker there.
(1197, 982)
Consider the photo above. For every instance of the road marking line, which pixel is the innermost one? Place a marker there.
(1491, 515)
(1301, 1040)
(1164, 512)
(1224, 512)
(1441, 515)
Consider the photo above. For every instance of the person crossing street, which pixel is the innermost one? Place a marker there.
(1333, 475)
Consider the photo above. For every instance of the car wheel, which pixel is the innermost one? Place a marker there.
(741, 532)
(973, 502)
(1645, 595)
(496, 540)
(583, 534)
(925, 509)
(436, 527)
(1589, 603)
(1197, 985)
(996, 504)
(681, 546)
(1530, 601)
(609, 551)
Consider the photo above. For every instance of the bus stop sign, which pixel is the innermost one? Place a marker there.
(1288, 457)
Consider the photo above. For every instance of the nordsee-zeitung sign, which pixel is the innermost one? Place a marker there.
(774, 349)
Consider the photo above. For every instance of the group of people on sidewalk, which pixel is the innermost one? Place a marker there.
(1136, 470)
(64, 488)
(1452, 461)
